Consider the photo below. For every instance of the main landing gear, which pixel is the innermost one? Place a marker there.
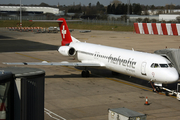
(85, 73)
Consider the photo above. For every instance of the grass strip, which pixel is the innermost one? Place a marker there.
(75, 25)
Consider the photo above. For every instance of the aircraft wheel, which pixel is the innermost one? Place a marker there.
(85, 73)
(154, 90)
(158, 89)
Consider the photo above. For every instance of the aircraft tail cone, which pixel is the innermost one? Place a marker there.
(146, 103)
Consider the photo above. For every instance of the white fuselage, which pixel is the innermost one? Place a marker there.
(129, 62)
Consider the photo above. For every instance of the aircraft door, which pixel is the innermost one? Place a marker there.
(143, 68)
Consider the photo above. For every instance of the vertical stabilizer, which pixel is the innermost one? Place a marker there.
(65, 33)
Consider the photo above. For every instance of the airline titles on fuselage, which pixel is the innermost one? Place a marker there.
(120, 61)
(129, 63)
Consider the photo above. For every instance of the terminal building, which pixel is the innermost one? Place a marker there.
(30, 10)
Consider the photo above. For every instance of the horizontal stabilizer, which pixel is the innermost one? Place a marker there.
(56, 21)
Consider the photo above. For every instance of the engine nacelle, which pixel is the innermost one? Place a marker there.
(67, 50)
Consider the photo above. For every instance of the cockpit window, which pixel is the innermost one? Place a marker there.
(170, 65)
(152, 65)
(156, 65)
(163, 65)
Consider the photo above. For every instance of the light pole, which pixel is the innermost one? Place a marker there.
(20, 15)
(128, 11)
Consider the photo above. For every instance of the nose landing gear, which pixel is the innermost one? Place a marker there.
(168, 92)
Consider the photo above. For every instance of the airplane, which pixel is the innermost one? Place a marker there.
(147, 66)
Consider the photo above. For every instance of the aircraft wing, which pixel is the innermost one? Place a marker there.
(59, 64)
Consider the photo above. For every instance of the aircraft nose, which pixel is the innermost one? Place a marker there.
(173, 76)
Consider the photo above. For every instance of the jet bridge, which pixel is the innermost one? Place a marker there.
(172, 55)
(21, 93)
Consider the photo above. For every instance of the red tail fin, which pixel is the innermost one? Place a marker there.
(65, 34)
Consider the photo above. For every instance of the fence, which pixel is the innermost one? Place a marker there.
(84, 21)
(23, 18)
(98, 22)
(108, 22)
(32, 17)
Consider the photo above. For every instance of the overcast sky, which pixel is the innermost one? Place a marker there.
(86, 2)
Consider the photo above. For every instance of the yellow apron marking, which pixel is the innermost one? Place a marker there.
(30, 57)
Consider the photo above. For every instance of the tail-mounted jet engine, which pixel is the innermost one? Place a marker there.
(67, 51)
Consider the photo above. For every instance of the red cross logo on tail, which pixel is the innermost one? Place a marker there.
(65, 34)
(63, 31)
